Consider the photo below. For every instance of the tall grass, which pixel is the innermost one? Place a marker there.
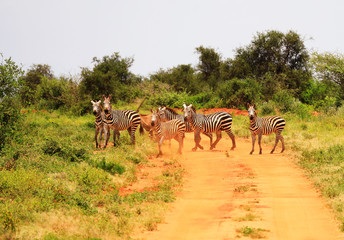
(55, 184)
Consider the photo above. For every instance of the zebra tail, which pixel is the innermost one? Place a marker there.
(137, 110)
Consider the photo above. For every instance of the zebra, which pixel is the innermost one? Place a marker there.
(168, 130)
(215, 122)
(172, 114)
(119, 120)
(265, 126)
(99, 122)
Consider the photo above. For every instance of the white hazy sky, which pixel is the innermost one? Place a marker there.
(67, 34)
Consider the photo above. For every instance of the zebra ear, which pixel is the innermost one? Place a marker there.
(190, 105)
(103, 97)
(184, 105)
(151, 110)
(163, 109)
(109, 97)
(100, 101)
(254, 105)
(92, 102)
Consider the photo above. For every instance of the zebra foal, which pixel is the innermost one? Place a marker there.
(215, 122)
(119, 120)
(173, 129)
(265, 126)
(99, 122)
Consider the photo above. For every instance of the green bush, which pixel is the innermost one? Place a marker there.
(236, 93)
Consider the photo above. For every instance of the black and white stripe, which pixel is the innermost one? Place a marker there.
(170, 114)
(173, 129)
(119, 120)
(99, 121)
(265, 126)
(215, 122)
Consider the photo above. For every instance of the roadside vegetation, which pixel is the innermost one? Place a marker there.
(54, 183)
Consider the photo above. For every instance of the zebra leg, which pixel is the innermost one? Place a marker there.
(231, 135)
(282, 140)
(160, 144)
(180, 141)
(132, 133)
(106, 136)
(218, 137)
(116, 135)
(253, 142)
(210, 136)
(197, 136)
(260, 143)
(278, 137)
(96, 136)
(101, 135)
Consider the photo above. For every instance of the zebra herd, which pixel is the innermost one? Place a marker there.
(167, 124)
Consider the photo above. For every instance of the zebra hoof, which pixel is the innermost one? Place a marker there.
(232, 148)
(194, 149)
(201, 147)
(251, 153)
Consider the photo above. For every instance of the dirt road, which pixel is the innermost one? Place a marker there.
(232, 195)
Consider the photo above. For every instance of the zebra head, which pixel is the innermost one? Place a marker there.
(96, 107)
(107, 104)
(187, 112)
(251, 111)
(154, 117)
(162, 113)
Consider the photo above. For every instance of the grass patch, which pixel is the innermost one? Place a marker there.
(254, 233)
(56, 185)
(247, 217)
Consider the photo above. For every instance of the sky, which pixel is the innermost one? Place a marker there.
(157, 34)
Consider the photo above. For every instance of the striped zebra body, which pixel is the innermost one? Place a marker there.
(119, 120)
(99, 121)
(173, 129)
(215, 122)
(171, 114)
(265, 126)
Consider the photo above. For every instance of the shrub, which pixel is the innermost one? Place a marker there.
(238, 92)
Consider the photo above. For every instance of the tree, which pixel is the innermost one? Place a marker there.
(10, 82)
(31, 80)
(209, 65)
(271, 54)
(10, 78)
(110, 75)
(181, 78)
(329, 68)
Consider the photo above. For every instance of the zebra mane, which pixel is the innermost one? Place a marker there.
(171, 111)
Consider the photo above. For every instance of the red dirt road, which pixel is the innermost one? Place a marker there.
(225, 192)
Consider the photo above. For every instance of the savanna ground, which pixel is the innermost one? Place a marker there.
(57, 185)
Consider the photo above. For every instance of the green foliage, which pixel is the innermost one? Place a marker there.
(10, 117)
(110, 75)
(32, 80)
(180, 78)
(281, 56)
(209, 65)
(329, 67)
(237, 93)
(10, 78)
